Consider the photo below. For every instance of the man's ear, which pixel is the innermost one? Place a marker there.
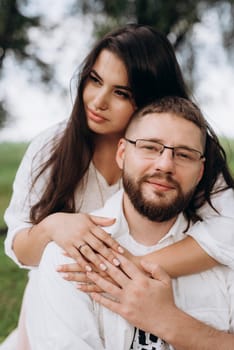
(120, 154)
(201, 173)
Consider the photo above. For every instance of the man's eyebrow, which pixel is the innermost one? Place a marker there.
(122, 87)
(181, 145)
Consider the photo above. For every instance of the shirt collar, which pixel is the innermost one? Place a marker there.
(114, 209)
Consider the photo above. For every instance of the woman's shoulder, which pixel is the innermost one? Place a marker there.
(45, 140)
(53, 132)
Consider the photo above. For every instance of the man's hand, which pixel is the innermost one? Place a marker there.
(136, 296)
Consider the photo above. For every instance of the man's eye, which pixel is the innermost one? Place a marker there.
(183, 155)
(150, 148)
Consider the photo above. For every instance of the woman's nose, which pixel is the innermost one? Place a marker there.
(101, 100)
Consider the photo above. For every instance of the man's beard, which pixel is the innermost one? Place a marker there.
(158, 210)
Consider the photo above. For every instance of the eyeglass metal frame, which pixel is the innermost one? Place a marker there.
(174, 149)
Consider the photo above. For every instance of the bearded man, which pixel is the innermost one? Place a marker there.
(165, 179)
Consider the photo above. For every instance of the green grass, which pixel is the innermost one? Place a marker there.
(10, 156)
(228, 145)
(12, 283)
(12, 278)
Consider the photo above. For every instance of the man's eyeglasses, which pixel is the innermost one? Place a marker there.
(152, 149)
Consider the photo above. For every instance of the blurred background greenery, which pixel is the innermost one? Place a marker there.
(21, 23)
(12, 279)
(31, 38)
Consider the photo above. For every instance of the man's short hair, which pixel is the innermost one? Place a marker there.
(178, 106)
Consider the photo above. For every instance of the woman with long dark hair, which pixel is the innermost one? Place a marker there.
(71, 168)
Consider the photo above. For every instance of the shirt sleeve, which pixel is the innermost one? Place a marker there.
(59, 316)
(215, 234)
(230, 285)
(17, 215)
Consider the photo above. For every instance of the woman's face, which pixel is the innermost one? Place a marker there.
(107, 96)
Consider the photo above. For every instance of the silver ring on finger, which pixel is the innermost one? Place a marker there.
(80, 246)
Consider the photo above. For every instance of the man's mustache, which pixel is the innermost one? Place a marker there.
(159, 176)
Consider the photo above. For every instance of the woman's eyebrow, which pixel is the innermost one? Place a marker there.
(123, 87)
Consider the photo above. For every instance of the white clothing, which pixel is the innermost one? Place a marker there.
(215, 234)
(218, 241)
(59, 315)
(88, 196)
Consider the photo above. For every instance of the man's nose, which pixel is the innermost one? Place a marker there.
(165, 161)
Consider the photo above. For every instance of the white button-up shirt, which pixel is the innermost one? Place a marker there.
(61, 317)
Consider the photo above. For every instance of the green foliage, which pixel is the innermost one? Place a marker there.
(228, 145)
(175, 19)
(10, 157)
(14, 39)
(169, 17)
(13, 29)
(12, 279)
(3, 114)
(12, 283)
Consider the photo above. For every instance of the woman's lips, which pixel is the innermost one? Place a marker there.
(95, 117)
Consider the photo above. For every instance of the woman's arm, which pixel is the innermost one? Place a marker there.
(69, 231)
(181, 258)
(208, 243)
(25, 242)
(28, 245)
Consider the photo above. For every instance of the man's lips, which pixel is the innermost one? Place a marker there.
(94, 116)
(161, 185)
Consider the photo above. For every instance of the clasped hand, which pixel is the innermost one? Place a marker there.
(81, 238)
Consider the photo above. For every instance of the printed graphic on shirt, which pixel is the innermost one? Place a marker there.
(147, 341)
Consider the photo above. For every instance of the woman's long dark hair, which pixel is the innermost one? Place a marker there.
(153, 72)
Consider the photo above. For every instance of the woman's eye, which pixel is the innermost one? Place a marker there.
(123, 94)
(94, 78)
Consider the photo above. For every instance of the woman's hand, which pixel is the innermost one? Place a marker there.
(81, 238)
(78, 274)
(71, 272)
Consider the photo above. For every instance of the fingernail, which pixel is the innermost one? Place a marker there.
(120, 249)
(59, 268)
(116, 262)
(64, 275)
(103, 267)
(88, 268)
